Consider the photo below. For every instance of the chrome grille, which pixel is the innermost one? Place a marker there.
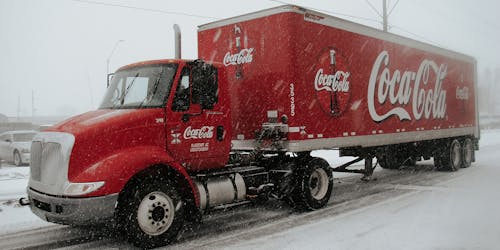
(36, 160)
(50, 160)
(47, 161)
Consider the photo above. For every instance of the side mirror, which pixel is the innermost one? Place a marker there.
(110, 76)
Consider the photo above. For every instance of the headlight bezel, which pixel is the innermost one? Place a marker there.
(82, 188)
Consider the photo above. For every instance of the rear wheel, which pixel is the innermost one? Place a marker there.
(449, 156)
(467, 153)
(17, 158)
(314, 185)
(151, 213)
(388, 161)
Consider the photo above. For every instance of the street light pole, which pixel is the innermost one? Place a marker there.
(109, 58)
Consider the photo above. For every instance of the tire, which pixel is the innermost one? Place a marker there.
(467, 153)
(151, 213)
(388, 162)
(17, 158)
(449, 157)
(314, 185)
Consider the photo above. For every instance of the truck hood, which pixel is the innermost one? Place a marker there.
(99, 120)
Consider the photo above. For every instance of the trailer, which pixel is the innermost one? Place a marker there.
(175, 139)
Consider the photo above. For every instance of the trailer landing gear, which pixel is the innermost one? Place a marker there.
(367, 172)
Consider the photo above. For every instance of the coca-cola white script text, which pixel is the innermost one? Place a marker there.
(400, 87)
(205, 132)
(244, 56)
(338, 82)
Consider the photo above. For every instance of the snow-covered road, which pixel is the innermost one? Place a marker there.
(411, 208)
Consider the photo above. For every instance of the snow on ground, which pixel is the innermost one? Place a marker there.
(13, 217)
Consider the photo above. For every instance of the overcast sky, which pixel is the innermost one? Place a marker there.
(58, 49)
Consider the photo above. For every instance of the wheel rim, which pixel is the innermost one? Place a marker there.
(467, 152)
(155, 213)
(455, 154)
(17, 159)
(318, 184)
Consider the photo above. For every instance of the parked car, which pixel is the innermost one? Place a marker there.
(15, 146)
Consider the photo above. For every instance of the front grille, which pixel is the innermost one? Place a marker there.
(47, 160)
(36, 160)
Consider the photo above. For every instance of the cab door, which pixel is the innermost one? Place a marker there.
(197, 120)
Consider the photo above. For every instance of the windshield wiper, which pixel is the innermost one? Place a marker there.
(122, 99)
(157, 83)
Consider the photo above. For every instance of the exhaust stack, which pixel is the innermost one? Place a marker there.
(177, 38)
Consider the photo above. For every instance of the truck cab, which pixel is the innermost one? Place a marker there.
(158, 118)
(190, 99)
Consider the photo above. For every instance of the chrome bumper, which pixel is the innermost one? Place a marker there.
(72, 211)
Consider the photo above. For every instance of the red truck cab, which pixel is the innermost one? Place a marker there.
(160, 113)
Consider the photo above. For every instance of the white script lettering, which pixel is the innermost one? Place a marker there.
(205, 132)
(244, 56)
(398, 90)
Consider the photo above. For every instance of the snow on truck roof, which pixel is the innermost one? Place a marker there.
(328, 20)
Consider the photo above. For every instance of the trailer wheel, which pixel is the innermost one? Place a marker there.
(151, 213)
(314, 185)
(467, 153)
(449, 157)
(388, 162)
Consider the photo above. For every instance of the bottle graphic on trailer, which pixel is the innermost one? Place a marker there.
(334, 106)
(239, 67)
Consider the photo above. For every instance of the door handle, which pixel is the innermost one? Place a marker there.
(220, 133)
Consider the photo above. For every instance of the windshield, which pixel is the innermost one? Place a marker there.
(24, 137)
(140, 87)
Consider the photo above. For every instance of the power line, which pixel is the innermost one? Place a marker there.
(146, 9)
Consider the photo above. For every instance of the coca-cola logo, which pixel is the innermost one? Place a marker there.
(205, 132)
(242, 57)
(338, 82)
(331, 81)
(401, 87)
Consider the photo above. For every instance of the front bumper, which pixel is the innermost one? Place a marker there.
(72, 211)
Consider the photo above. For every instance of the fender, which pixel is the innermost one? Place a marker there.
(117, 169)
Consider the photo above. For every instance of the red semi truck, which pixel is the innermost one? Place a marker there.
(176, 138)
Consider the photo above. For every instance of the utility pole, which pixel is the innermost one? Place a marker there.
(33, 109)
(384, 14)
(18, 106)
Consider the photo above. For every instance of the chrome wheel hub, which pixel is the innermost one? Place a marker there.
(155, 213)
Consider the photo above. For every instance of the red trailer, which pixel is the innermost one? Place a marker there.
(337, 83)
(174, 139)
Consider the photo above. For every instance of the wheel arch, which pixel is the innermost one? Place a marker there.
(173, 172)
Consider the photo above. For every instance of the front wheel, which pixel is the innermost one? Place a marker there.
(152, 213)
(314, 185)
(17, 158)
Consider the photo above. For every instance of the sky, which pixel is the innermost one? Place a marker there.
(54, 53)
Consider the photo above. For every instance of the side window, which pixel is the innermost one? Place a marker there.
(182, 94)
(205, 86)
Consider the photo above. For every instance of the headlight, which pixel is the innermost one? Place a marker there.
(82, 188)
